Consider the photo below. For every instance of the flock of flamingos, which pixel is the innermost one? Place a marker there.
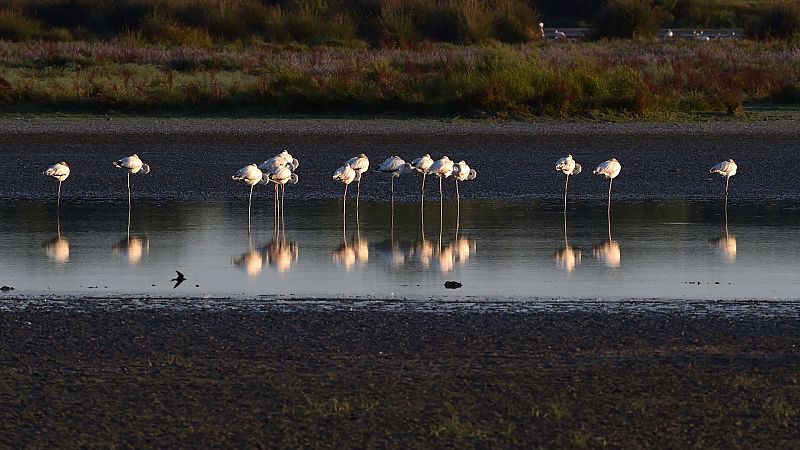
(280, 171)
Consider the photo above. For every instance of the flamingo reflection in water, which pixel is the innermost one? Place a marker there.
(725, 244)
(567, 257)
(251, 261)
(57, 248)
(132, 248)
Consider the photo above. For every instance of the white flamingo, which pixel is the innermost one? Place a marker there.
(360, 164)
(609, 170)
(442, 168)
(560, 35)
(421, 165)
(251, 176)
(461, 172)
(281, 176)
(59, 171)
(541, 29)
(346, 175)
(726, 169)
(282, 159)
(394, 166)
(132, 165)
(567, 166)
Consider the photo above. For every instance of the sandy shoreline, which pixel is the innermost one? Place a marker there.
(399, 379)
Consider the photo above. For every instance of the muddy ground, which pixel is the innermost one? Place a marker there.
(365, 378)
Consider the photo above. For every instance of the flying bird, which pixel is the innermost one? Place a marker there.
(59, 171)
(394, 166)
(609, 170)
(251, 176)
(132, 165)
(567, 166)
(178, 280)
(360, 164)
(726, 169)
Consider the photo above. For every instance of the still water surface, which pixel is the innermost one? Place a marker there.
(503, 250)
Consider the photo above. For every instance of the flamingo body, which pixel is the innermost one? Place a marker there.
(608, 169)
(59, 171)
(250, 174)
(725, 168)
(132, 164)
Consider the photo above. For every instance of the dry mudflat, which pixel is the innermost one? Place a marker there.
(350, 376)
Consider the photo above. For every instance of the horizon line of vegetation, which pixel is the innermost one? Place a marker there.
(621, 78)
(376, 23)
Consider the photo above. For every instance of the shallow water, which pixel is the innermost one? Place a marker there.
(503, 249)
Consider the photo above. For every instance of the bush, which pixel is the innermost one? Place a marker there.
(628, 19)
(781, 22)
(17, 28)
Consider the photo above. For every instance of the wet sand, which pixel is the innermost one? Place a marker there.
(353, 376)
(192, 159)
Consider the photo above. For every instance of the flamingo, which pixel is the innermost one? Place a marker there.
(609, 170)
(560, 35)
(282, 159)
(251, 176)
(567, 166)
(395, 166)
(541, 29)
(132, 165)
(726, 169)
(461, 172)
(442, 168)
(359, 164)
(346, 175)
(422, 164)
(59, 171)
(281, 176)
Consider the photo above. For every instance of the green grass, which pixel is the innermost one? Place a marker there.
(621, 80)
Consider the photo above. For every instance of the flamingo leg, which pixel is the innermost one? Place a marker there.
(249, 205)
(129, 190)
(566, 185)
(441, 212)
(283, 210)
(58, 202)
(392, 185)
(344, 215)
(275, 211)
(458, 209)
(358, 192)
(727, 181)
(610, 183)
(424, 174)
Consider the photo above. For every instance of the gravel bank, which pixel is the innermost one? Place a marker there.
(192, 159)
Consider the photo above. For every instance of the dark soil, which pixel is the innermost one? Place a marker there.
(194, 159)
(312, 378)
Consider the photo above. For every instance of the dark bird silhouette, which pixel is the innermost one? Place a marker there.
(178, 280)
